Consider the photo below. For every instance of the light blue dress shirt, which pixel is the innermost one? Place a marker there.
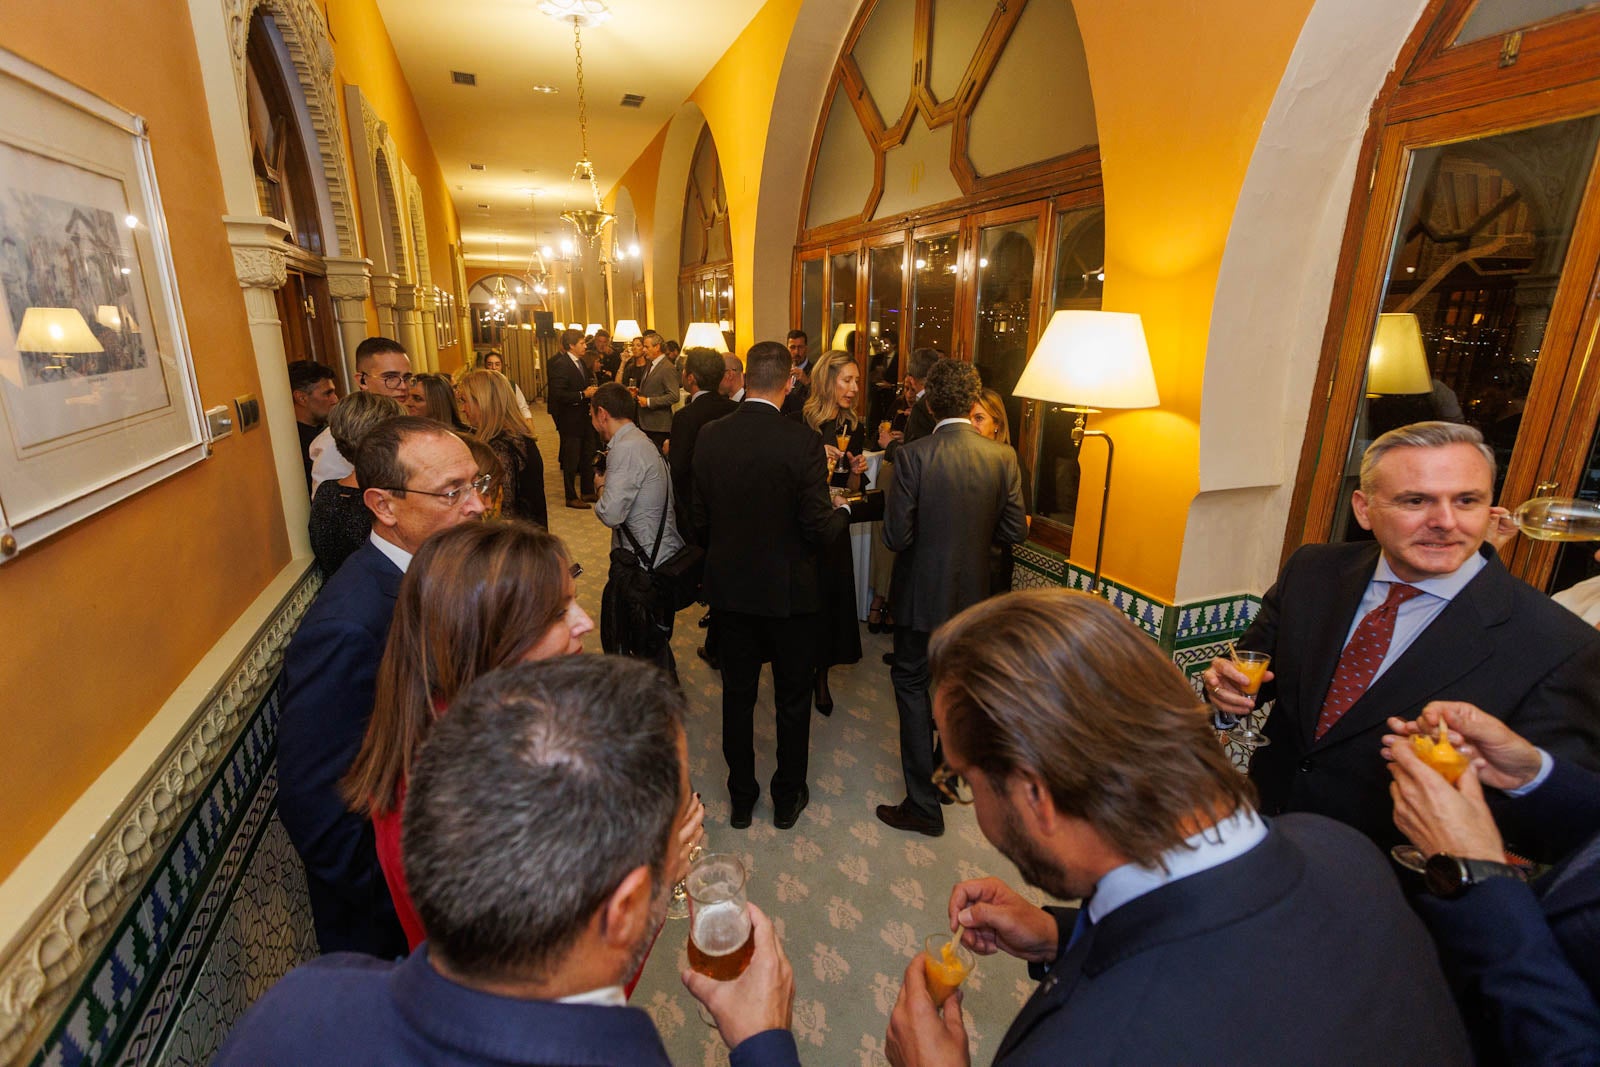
(1416, 614)
(1211, 847)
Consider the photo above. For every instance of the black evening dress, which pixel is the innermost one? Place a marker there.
(839, 633)
(340, 524)
(524, 467)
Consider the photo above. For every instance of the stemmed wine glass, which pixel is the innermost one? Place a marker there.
(678, 906)
(1556, 518)
(1252, 665)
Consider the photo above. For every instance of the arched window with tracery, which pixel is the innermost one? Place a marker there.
(705, 278)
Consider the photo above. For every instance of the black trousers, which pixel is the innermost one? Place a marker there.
(746, 641)
(658, 437)
(578, 446)
(909, 673)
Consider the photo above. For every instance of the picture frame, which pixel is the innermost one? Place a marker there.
(97, 391)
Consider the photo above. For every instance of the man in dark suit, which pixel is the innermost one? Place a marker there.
(657, 391)
(581, 762)
(800, 371)
(1523, 958)
(569, 383)
(1361, 632)
(1207, 934)
(608, 361)
(919, 420)
(703, 373)
(417, 478)
(761, 507)
(955, 493)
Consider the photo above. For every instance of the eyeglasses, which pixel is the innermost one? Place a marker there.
(392, 379)
(952, 785)
(481, 485)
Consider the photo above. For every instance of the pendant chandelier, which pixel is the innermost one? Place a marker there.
(588, 222)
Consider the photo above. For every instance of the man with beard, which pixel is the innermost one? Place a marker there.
(1206, 934)
(541, 847)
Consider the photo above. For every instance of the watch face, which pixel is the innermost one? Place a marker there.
(1446, 875)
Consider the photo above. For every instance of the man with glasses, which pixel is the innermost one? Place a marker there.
(382, 367)
(417, 478)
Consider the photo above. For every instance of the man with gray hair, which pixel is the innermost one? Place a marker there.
(1364, 631)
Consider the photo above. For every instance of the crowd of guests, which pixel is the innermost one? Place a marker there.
(491, 825)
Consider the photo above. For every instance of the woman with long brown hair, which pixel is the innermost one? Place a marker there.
(989, 418)
(433, 396)
(490, 407)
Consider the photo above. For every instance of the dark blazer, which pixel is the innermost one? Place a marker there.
(354, 1010)
(687, 422)
(1300, 951)
(919, 424)
(1525, 959)
(564, 399)
(955, 493)
(1499, 644)
(329, 673)
(761, 508)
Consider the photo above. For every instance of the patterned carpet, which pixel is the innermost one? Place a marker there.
(851, 898)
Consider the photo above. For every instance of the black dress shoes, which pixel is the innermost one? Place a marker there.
(740, 818)
(786, 815)
(711, 661)
(901, 817)
(705, 620)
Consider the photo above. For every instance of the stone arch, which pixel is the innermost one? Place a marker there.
(422, 272)
(395, 259)
(672, 178)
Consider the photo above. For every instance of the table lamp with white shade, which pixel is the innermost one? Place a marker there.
(625, 330)
(1084, 362)
(56, 332)
(591, 329)
(704, 335)
(841, 337)
(1398, 364)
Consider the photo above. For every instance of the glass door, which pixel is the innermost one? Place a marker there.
(935, 275)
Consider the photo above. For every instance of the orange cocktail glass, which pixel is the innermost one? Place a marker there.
(946, 964)
(1440, 754)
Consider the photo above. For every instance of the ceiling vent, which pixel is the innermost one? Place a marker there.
(483, 207)
(477, 166)
(461, 77)
(632, 100)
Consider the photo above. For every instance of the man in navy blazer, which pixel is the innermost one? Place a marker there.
(1206, 934)
(1524, 958)
(542, 841)
(417, 478)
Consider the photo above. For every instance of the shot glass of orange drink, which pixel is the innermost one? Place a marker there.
(1440, 754)
(946, 964)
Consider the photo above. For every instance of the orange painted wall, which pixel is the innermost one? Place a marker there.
(104, 620)
(640, 181)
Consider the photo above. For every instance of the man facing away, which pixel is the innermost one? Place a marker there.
(636, 504)
(955, 494)
(540, 850)
(382, 367)
(569, 385)
(416, 478)
(919, 420)
(1206, 934)
(704, 371)
(311, 385)
(657, 391)
(1365, 631)
(732, 385)
(761, 507)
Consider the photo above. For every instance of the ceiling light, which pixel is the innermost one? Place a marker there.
(577, 12)
(589, 222)
(547, 90)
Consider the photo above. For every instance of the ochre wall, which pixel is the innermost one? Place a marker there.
(104, 620)
(640, 181)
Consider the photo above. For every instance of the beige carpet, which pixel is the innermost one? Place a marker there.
(851, 898)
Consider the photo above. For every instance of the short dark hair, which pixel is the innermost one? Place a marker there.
(953, 387)
(707, 367)
(377, 461)
(603, 332)
(766, 367)
(536, 794)
(614, 399)
(792, 334)
(373, 347)
(921, 362)
(305, 374)
(570, 338)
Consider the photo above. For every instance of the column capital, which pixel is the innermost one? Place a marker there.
(349, 278)
(383, 289)
(258, 257)
(405, 297)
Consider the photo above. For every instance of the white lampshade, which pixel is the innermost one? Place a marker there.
(625, 330)
(841, 336)
(58, 331)
(724, 325)
(704, 335)
(1095, 359)
(109, 316)
(1398, 365)
(575, 326)
(592, 328)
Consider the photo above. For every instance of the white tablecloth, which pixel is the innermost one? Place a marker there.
(861, 535)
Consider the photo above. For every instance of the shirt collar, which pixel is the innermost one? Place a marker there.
(698, 393)
(758, 400)
(397, 555)
(1211, 847)
(1445, 586)
(611, 996)
(658, 359)
(622, 431)
(942, 423)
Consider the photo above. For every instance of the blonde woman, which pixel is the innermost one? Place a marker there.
(490, 408)
(989, 418)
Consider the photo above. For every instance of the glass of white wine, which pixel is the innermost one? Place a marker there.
(1559, 518)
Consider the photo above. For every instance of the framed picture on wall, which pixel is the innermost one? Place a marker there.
(97, 392)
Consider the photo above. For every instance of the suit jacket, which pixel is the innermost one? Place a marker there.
(1499, 644)
(761, 508)
(919, 424)
(955, 493)
(1300, 951)
(354, 1010)
(564, 399)
(1525, 959)
(687, 422)
(660, 388)
(329, 673)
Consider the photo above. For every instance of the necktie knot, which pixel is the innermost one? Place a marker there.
(1399, 593)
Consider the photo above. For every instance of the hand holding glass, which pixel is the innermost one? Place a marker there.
(1253, 665)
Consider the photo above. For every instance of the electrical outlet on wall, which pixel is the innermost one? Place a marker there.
(249, 411)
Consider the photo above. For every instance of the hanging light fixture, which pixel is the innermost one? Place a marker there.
(588, 222)
(537, 274)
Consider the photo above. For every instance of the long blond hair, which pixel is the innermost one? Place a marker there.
(496, 403)
(821, 406)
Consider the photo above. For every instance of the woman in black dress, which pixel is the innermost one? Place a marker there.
(830, 410)
(340, 523)
(490, 407)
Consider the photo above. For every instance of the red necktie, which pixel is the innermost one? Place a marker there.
(1360, 659)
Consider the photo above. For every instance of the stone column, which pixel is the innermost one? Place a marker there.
(349, 283)
(427, 319)
(259, 261)
(405, 308)
(384, 296)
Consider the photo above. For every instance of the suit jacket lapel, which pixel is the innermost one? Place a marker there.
(1326, 640)
(1050, 994)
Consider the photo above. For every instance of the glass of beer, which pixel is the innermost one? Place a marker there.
(1253, 665)
(720, 936)
(946, 963)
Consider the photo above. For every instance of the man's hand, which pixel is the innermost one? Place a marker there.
(921, 1035)
(590, 391)
(1502, 527)
(993, 916)
(760, 999)
(1225, 685)
(858, 464)
(1437, 816)
(886, 435)
(599, 483)
(1500, 755)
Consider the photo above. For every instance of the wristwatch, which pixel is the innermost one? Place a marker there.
(1450, 876)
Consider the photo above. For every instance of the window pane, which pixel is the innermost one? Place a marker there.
(1079, 279)
(842, 311)
(1005, 298)
(1484, 229)
(933, 291)
(811, 300)
(886, 283)
(1493, 17)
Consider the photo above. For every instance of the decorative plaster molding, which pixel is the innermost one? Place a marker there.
(260, 268)
(419, 230)
(41, 968)
(348, 279)
(405, 297)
